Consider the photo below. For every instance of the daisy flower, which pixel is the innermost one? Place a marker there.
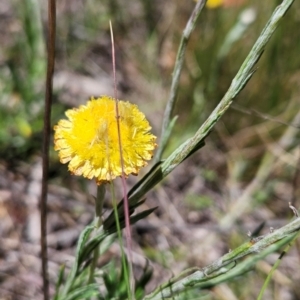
(89, 139)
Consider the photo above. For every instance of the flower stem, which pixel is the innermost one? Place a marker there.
(127, 272)
(98, 208)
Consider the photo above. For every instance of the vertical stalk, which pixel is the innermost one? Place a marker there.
(46, 141)
(98, 209)
(130, 291)
(125, 197)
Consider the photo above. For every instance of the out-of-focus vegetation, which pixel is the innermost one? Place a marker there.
(22, 74)
(256, 141)
(147, 35)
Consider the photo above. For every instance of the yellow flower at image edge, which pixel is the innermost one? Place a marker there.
(214, 3)
(89, 140)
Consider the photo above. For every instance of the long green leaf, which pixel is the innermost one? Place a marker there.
(80, 246)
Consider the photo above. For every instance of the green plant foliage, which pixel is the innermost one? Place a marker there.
(21, 91)
(115, 282)
(72, 286)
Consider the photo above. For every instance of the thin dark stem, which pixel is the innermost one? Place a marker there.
(46, 141)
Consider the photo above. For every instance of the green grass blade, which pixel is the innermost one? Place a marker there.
(80, 246)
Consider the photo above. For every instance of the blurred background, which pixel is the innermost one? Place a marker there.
(243, 179)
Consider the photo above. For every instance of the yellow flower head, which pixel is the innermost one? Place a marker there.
(89, 140)
(214, 3)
